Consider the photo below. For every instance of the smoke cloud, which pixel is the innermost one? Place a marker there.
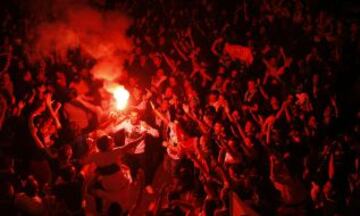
(99, 34)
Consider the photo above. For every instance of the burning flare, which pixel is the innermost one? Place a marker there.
(121, 96)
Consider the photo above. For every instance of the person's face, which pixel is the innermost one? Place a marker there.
(232, 144)
(168, 92)
(45, 128)
(193, 104)
(221, 70)
(274, 102)
(159, 73)
(212, 98)
(248, 143)
(218, 128)
(136, 93)
(61, 79)
(251, 85)
(248, 127)
(157, 61)
(134, 117)
(312, 122)
(27, 76)
(172, 82)
(138, 51)
(295, 136)
(236, 115)
(164, 105)
(327, 112)
(218, 79)
(208, 119)
(353, 28)
(162, 41)
(234, 73)
(111, 144)
(327, 189)
(272, 61)
(68, 152)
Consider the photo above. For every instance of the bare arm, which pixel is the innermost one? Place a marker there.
(159, 115)
(182, 55)
(213, 46)
(53, 112)
(127, 147)
(93, 108)
(33, 129)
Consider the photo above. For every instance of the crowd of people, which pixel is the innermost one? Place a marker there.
(238, 100)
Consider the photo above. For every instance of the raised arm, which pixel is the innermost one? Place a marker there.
(33, 129)
(53, 112)
(158, 114)
(93, 108)
(182, 55)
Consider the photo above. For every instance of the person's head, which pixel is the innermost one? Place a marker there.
(69, 173)
(234, 73)
(136, 93)
(353, 28)
(327, 114)
(213, 97)
(31, 187)
(6, 190)
(66, 152)
(248, 142)
(134, 116)
(272, 61)
(115, 209)
(71, 94)
(61, 79)
(219, 79)
(221, 70)
(316, 78)
(251, 85)
(209, 115)
(249, 127)
(173, 81)
(46, 126)
(105, 143)
(312, 123)
(295, 135)
(274, 102)
(203, 141)
(157, 61)
(162, 40)
(164, 106)
(218, 128)
(27, 76)
(328, 189)
(169, 92)
(210, 188)
(232, 142)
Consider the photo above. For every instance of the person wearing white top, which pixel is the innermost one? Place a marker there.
(134, 128)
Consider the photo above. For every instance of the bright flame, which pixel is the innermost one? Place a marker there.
(121, 96)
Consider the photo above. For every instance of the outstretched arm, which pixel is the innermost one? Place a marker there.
(130, 145)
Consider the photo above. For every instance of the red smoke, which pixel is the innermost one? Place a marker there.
(101, 35)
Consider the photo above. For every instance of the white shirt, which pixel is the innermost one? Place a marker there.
(133, 132)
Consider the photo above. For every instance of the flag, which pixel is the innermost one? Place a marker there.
(238, 52)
